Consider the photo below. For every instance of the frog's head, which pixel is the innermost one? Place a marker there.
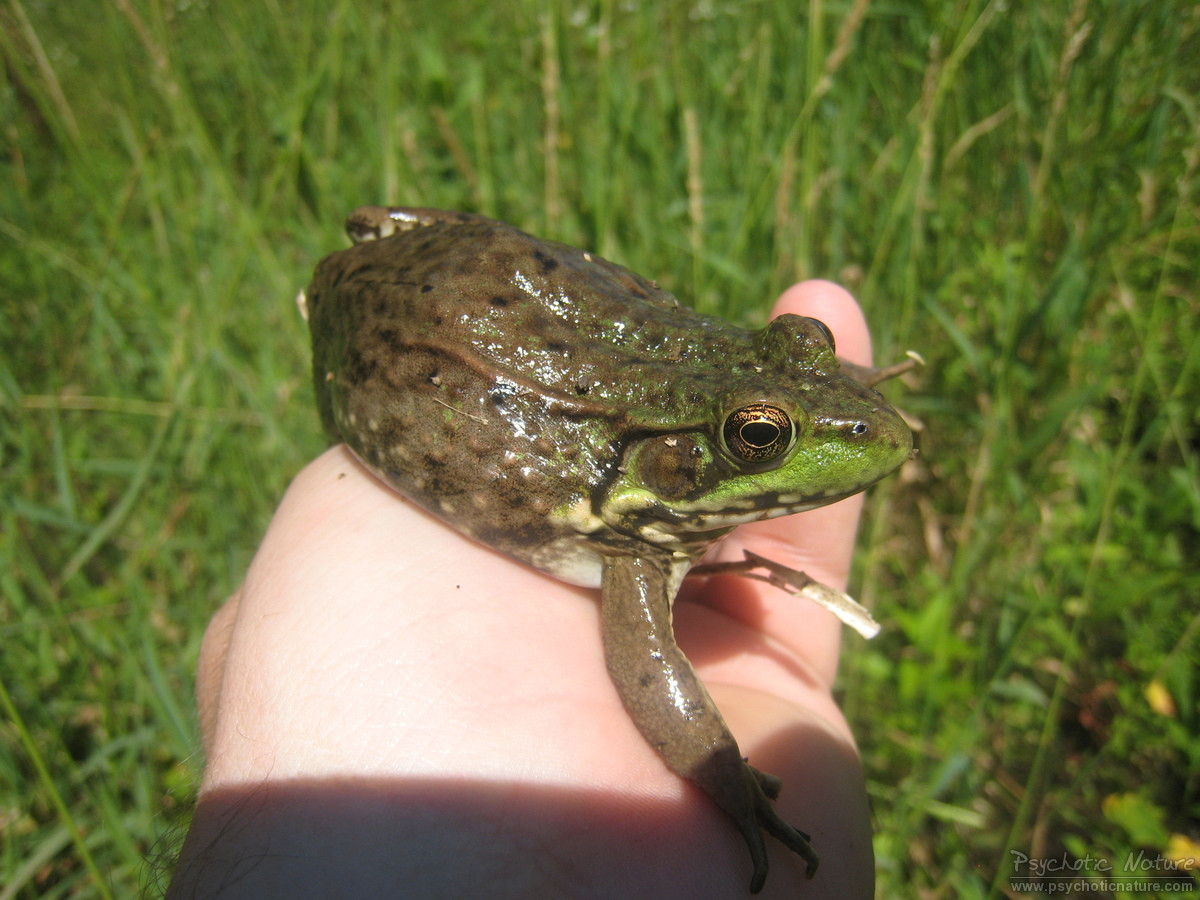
(793, 434)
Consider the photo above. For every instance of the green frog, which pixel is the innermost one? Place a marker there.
(573, 415)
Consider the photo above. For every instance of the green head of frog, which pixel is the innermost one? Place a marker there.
(791, 434)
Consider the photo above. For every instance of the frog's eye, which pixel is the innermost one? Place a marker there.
(758, 433)
(824, 329)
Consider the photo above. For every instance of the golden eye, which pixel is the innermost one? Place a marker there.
(758, 433)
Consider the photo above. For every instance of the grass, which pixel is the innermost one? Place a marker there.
(1010, 189)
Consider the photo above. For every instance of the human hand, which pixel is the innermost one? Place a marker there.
(389, 708)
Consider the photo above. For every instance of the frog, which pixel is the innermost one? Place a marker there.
(573, 415)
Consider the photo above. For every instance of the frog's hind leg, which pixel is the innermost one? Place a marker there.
(673, 711)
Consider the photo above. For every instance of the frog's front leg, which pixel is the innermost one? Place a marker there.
(671, 708)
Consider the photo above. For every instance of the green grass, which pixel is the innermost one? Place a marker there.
(1010, 189)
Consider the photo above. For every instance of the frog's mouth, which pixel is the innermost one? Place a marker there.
(731, 517)
(664, 524)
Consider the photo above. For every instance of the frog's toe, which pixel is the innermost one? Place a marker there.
(761, 816)
(792, 838)
(770, 784)
(758, 855)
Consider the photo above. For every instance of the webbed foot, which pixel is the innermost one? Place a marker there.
(745, 794)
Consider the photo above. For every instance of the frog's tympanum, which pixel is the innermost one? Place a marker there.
(569, 413)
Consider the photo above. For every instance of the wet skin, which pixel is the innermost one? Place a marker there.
(571, 414)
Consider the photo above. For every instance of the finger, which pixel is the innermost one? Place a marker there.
(214, 651)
